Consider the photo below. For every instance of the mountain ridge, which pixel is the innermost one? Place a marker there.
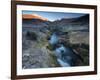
(33, 16)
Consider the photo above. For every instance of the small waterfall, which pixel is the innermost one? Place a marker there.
(54, 39)
(62, 63)
(61, 49)
(62, 56)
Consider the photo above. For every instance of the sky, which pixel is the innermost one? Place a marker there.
(52, 16)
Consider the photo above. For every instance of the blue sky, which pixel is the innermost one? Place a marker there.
(52, 16)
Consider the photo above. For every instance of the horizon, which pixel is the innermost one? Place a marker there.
(52, 16)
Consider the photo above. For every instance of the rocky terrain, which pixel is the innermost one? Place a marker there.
(37, 52)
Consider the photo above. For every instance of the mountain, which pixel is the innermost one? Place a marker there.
(65, 21)
(69, 24)
(81, 19)
(33, 16)
(34, 21)
(65, 24)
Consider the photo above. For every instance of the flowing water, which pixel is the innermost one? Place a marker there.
(65, 55)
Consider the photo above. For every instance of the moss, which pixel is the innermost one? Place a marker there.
(85, 55)
(54, 60)
(83, 50)
(50, 47)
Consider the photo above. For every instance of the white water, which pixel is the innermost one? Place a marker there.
(62, 63)
(60, 49)
(54, 39)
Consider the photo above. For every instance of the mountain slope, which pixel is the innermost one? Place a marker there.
(33, 16)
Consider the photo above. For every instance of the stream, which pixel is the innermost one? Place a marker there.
(66, 57)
